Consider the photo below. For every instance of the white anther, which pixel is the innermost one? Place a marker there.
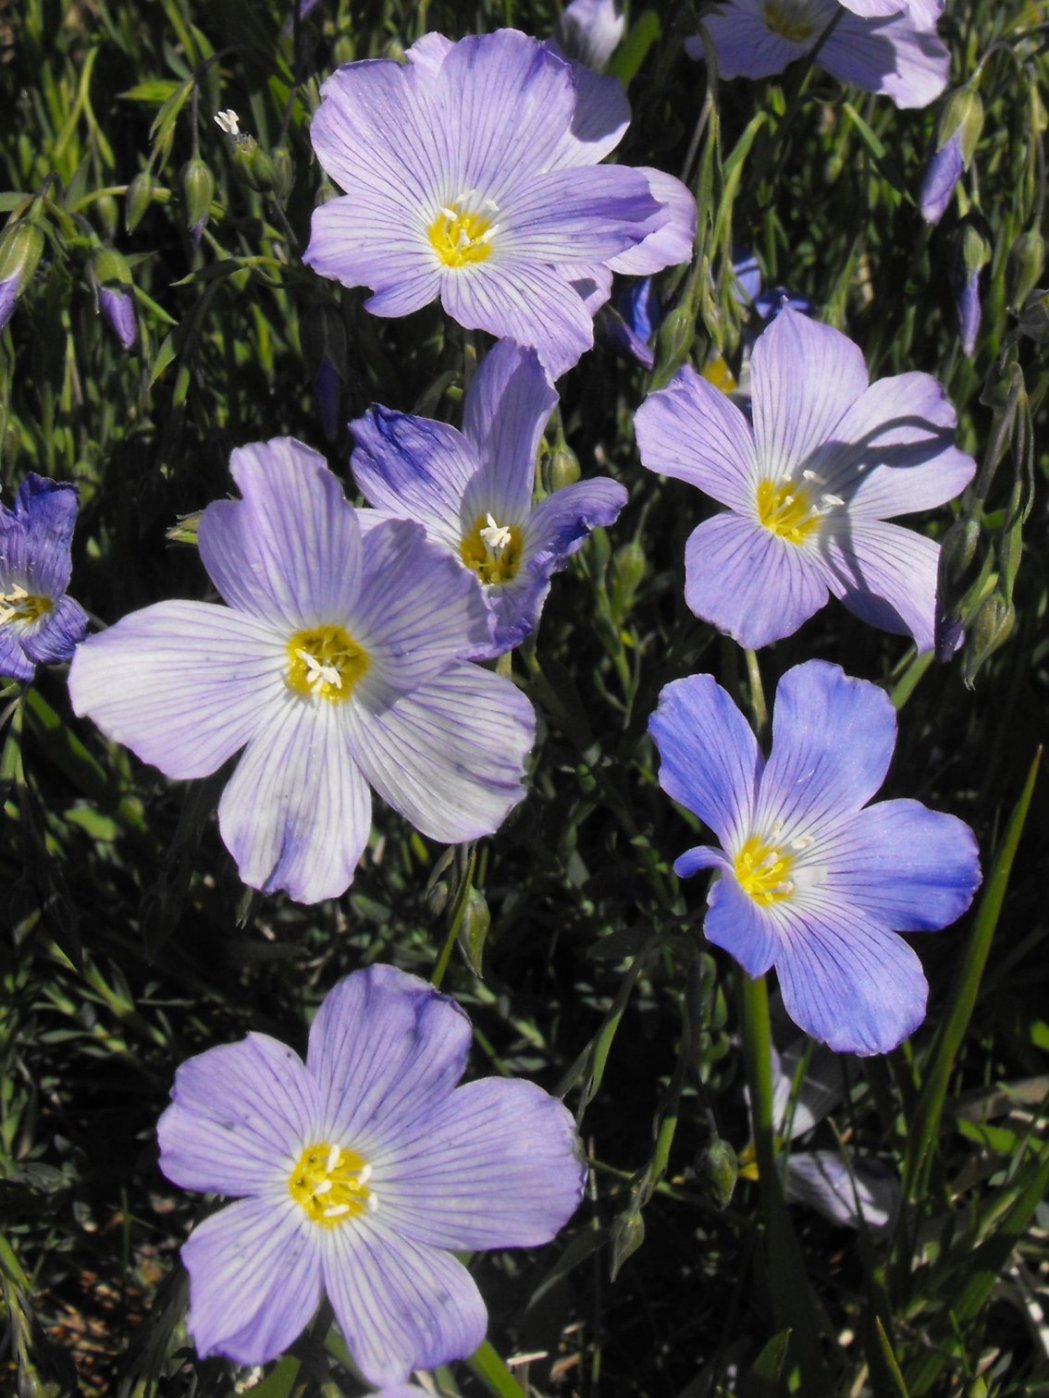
(336, 1210)
(371, 1204)
(812, 478)
(317, 674)
(496, 536)
(770, 860)
(830, 502)
(332, 1160)
(364, 1174)
(325, 1187)
(788, 500)
(777, 829)
(802, 842)
(464, 239)
(449, 213)
(491, 204)
(228, 121)
(11, 603)
(787, 886)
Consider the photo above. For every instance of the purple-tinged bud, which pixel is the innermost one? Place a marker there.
(957, 134)
(1025, 265)
(974, 253)
(116, 301)
(137, 200)
(324, 349)
(590, 31)
(198, 189)
(21, 248)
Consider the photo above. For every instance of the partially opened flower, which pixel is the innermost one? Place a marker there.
(589, 31)
(884, 46)
(358, 1174)
(470, 173)
(39, 624)
(338, 666)
(809, 878)
(809, 486)
(472, 490)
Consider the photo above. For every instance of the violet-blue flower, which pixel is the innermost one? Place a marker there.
(472, 490)
(810, 485)
(39, 623)
(357, 1174)
(337, 665)
(470, 173)
(810, 879)
(876, 45)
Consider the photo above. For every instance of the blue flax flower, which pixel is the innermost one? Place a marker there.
(337, 665)
(883, 46)
(357, 1174)
(810, 485)
(472, 490)
(39, 624)
(470, 173)
(810, 879)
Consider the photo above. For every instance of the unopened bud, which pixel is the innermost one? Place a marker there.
(991, 628)
(562, 469)
(717, 1169)
(673, 342)
(137, 200)
(957, 553)
(473, 931)
(198, 189)
(625, 1237)
(1024, 267)
(108, 212)
(1034, 316)
(283, 173)
(112, 278)
(627, 570)
(185, 530)
(961, 120)
(21, 248)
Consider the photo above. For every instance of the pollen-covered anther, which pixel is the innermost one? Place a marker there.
(325, 662)
(785, 508)
(20, 605)
(330, 1184)
(492, 550)
(764, 870)
(462, 231)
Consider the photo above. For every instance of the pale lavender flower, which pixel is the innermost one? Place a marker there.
(358, 1174)
(470, 174)
(809, 878)
(589, 31)
(472, 490)
(890, 49)
(810, 485)
(337, 665)
(39, 623)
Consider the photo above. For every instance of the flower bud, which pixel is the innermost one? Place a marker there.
(1034, 316)
(957, 135)
(1024, 267)
(324, 350)
(473, 931)
(137, 200)
(21, 248)
(972, 253)
(673, 342)
(283, 173)
(625, 1237)
(990, 630)
(627, 570)
(562, 469)
(198, 189)
(717, 1169)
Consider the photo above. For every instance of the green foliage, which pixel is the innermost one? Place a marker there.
(126, 941)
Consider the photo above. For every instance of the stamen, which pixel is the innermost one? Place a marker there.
(802, 842)
(324, 1187)
(20, 605)
(336, 1211)
(333, 1159)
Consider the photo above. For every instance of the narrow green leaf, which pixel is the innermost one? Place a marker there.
(493, 1373)
(631, 53)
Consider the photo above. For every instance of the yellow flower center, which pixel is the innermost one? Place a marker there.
(325, 662)
(790, 19)
(786, 510)
(764, 871)
(462, 235)
(717, 372)
(492, 550)
(26, 607)
(330, 1185)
